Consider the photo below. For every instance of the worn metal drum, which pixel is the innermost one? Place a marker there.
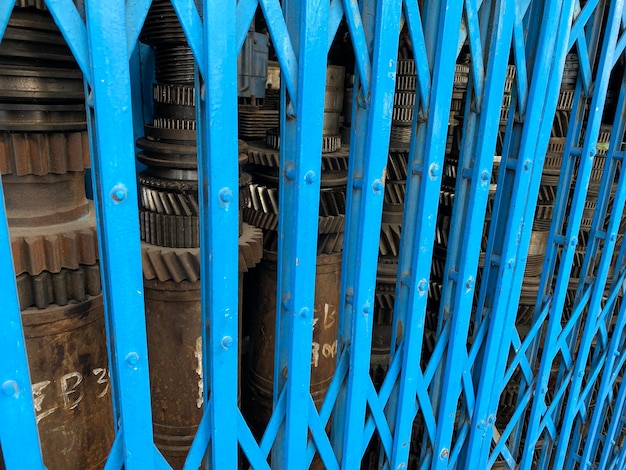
(173, 322)
(67, 356)
(262, 313)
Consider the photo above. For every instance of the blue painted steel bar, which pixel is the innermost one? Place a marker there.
(368, 157)
(582, 181)
(419, 221)
(218, 170)
(300, 163)
(335, 16)
(284, 45)
(18, 430)
(360, 42)
(468, 216)
(606, 383)
(74, 31)
(118, 226)
(420, 214)
(17, 412)
(136, 12)
(514, 207)
(615, 426)
(416, 32)
(192, 25)
(567, 255)
(245, 15)
(5, 12)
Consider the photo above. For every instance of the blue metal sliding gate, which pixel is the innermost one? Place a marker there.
(561, 370)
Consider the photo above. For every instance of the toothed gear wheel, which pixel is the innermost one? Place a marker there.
(397, 165)
(68, 285)
(330, 143)
(259, 154)
(174, 94)
(172, 231)
(171, 197)
(183, 264)
(389, 243)
(55, 247)
(39, 153)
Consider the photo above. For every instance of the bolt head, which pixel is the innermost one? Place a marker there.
(118, 193)
(484, 176)
(444, 454)
(9, 388)
(132, 359)
(434, 170)
(422, 286)
(378, 186)
(304, 312)
(227, 341)
(226, 195)
(309, 177)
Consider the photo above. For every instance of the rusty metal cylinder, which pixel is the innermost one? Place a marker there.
(333, 102)
(174, 329)
(262, 313)
(44, 200)
(67, 356)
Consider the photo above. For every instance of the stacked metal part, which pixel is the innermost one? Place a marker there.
(169, 226)
(258, 88)
(264, 159)
(44, 153)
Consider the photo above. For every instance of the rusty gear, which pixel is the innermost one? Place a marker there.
(40, 153)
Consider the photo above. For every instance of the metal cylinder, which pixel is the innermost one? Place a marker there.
(262, 314)
(174, 329)
(67, 356)
(333, 102)
(44, 200)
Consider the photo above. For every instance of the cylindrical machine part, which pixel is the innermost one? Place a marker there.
(33, 201)
(333, 101)
(67, 356)
(174, 329)
(263, 320)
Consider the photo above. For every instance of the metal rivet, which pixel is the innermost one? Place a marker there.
(491, 419)
(469, 283)
(592, 152)
(484, 176)
(304, 312)
(286, 304)
(581, 374)
(434, 170)
(226, 195)
(309, 177)
(377, 186)
(367, 310)
(405, 279)
(612, 237)
(444, 454)
(118, 193)
(357, 183)
(422, 286)
(132, 359)
(290, 172)
(227, 341)
(9, 388)
(573, 241)
(528, 165)
(511, 263)
(544, 389)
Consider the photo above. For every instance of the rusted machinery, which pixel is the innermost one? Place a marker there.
(169, 225)
(44, 152)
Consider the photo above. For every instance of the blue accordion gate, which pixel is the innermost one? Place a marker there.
(501, 126)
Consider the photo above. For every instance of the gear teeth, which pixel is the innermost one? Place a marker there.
(58, 288)
(397, 165)
(250, 247)
(38, 153)
(39, 4)
(179, 95)
(171, 231)
(255, 122)
(63, 246)
(259, 154)
(389, 242)
(395, 192)
(183, 264)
